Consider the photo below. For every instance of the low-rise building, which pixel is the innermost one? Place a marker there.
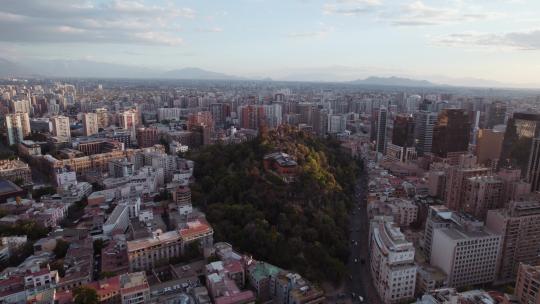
(134, 288)
(16, 171)
(146, 253)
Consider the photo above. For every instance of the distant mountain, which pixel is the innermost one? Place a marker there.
(94, 69)
(393, 81)
(10, 69)
(88, 68)
(196, 73)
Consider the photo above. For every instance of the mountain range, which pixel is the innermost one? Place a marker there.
(93, 69)
(393, 81)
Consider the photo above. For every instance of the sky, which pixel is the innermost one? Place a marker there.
(440, 40)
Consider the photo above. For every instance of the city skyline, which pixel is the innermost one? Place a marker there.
(457, 42)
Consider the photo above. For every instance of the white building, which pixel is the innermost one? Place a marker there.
(134, 288)
(65, 177)
(60, 128)
(90, 124)
(176, 147)
(171, 113)
(392, 261)
(467, 254)
(337, 123)
(117, 221)
(17, 127)
(74, 192)
(404, 212)
(23, 106)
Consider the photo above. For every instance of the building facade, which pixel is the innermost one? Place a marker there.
(392, 261)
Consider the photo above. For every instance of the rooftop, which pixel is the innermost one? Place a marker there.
(262, 270)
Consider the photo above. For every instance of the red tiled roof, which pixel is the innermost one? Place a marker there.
(195, 228)
(242, 297)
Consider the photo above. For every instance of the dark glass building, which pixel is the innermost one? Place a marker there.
(521, 128)
(403, 131)
(451, 133)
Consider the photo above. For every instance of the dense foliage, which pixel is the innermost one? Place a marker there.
(301, 225)
(85, 295)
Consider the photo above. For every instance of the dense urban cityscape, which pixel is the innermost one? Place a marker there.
(269, 152)
(125, 191)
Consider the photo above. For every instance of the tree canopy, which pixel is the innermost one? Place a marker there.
(302, 225)
(85, 295)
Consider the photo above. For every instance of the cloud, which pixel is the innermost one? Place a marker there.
(112, 21)
(351, 7)
(210, 30)
(417, 13)
(322, 32)
(523, 40)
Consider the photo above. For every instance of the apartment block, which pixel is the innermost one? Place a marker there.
(134, 288)
(528, 284)
(147, 253)
(467, 254)
(482, 193)
(392, 261)
(519, 226)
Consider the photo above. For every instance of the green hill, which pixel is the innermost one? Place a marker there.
(301, 225)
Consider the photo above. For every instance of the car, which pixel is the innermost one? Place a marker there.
(361, 299)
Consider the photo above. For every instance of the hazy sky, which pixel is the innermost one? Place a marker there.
(489, 39)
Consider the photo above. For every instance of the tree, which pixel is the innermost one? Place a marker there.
(61, 249)
(298, 225)
(85, 295)
(38, 193)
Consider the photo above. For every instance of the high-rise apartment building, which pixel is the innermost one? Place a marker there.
(103, 117)
(61, 128)
(451, 133)
(455, 183)
(495, 114)
(320, 121)
(527, 288)
(17, 127)
(521, 128)
(382, 122)
(533, 167)
(519, 225)
(481, 194)
(514, 189)
(392, 261)
(249, 116)
(337, 123)
(402, 146)
(438, 216)
(423, 131)
(90, 124)
(467, 254)
(147, 137)
(220, 112)
(128, 121)
(488, 147)
(23, 106)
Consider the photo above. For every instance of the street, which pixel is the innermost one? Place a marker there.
(360, 282)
